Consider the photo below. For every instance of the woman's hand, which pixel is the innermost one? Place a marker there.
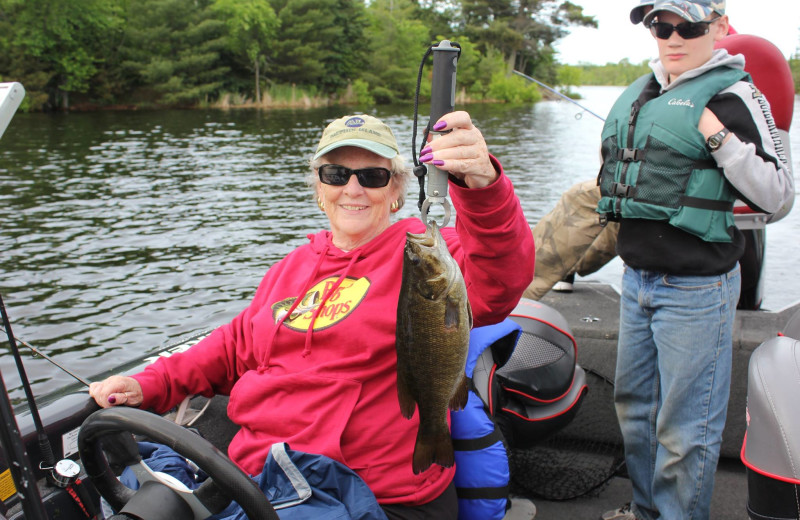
(117, 390)
(461, 151)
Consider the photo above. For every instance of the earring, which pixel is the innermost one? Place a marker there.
(320, 203)
(395, 207)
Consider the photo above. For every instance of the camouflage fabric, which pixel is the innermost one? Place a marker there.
(695, 11)
(570, 239)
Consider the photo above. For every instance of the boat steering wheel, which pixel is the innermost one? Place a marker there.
(161, 496)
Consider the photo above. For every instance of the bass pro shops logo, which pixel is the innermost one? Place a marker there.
(338, 305)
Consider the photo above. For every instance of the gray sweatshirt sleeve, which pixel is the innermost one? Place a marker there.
(754, 159)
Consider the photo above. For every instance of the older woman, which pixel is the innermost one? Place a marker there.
(312, 360)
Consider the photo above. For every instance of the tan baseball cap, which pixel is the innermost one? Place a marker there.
(361, 130)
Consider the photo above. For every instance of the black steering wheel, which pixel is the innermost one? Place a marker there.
(161, 497)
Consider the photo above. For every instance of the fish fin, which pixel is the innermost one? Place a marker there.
(431, 449)
(407, 402)
(459, 400)
(452, 313)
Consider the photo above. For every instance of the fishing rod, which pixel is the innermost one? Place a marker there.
(63, 474)
(18, 461)
(38, 352)
(554, 91)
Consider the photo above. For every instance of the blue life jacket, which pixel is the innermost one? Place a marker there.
(482, 471)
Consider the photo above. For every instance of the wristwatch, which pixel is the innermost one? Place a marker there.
(715, 141)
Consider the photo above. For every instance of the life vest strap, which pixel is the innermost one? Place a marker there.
(712, 205)
(485, 493)
(480, 443)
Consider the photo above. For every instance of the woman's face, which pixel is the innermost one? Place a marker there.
(357, 214)
(679, 55)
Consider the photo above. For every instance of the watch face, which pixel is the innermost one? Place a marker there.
(715, 141)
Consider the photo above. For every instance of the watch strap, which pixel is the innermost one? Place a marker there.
(715, 141)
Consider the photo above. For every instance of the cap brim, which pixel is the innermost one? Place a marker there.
(376, 148)
(637, 13)
(677, 10)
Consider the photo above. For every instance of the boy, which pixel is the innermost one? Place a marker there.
(678, 147)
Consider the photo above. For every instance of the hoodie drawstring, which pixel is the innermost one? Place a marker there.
(309, 282)
(328, 294)
(297, 301)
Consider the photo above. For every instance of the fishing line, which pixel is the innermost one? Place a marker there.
(419, 169)
(554, 91)
(38, 352)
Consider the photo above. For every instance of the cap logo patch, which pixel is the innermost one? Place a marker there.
(354, 122)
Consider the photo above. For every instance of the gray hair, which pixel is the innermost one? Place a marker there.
(401, 175)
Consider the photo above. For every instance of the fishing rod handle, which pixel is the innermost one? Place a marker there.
(443, 101)
(443, 82)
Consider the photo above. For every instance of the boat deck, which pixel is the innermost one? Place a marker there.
(727, 503)
(592, 311)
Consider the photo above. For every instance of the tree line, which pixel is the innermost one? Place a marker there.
(110, 53)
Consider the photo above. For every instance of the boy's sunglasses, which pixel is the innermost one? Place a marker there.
(686, 30)
(336, 175)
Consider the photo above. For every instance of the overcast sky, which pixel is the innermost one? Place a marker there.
(616, 38)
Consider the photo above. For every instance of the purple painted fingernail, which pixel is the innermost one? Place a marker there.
(438, 162)
(440, 125)
(426, 150)
(112, 399)
(427, 157)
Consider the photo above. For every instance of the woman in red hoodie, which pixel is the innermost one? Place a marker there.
(312, 360)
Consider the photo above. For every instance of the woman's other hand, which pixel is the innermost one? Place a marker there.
(461, 151)
(116, 391)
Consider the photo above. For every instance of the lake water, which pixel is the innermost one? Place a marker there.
(123, 231)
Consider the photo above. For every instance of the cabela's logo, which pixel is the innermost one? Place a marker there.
(337, 307)
(681, 102)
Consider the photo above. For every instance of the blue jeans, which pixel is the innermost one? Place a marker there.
(672, 386)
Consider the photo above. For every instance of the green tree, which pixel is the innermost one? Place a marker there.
(172, 52)
(68, 39)
(569, 76)
(319, 42)
(397, 43)
(622, 73)
(252, 26)
(524, 30)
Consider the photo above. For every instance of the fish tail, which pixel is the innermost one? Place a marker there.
(459, 400)
(431, 449)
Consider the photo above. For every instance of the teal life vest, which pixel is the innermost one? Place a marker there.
(656, 164)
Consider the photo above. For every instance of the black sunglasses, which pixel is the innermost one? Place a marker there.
(686, 30)
(336, 175)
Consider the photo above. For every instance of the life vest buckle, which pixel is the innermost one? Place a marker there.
(630, 154)
(622, 190)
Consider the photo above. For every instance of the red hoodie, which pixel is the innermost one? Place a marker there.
(332, 389)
